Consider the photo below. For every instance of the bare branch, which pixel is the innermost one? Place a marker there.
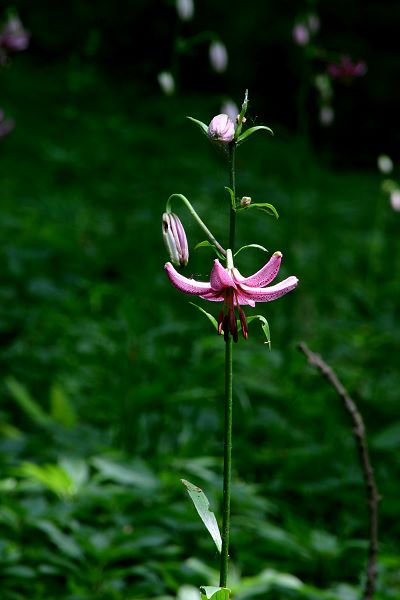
(368, 472)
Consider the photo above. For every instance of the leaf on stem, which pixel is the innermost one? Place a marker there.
(232, 195)
(202, 506)
(252, 130)
(242, 114)
(250, 246)
(207, 244)
(265, 206)
(264, 327)
(203, 126)
(214, 593)
(210, 317)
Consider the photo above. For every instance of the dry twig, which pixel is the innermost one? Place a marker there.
(368, 473)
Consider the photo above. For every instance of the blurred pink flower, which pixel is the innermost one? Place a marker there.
(6, 125)
(301, 35)
(221, 129)
(229, 286)
(13, 36)
(218, 56)
(346, 69)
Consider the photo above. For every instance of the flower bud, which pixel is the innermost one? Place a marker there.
(185, 9)
(218, 56)
(301, 35)
(166, 82)
(221, 129)
(385, 164)
(175, 239)
(395, 200)
(245, 201)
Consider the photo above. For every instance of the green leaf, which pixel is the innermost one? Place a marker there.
(203, 126)
(242, 114)
(210, 317)
(207, 244)
(202, 505)
(214, 593)
(252, 130)
(65, 543)
(21, 395)
(61, 408)
(251, 246)
(265, 206)
(52, 476)
(232, 195)
(264, 327)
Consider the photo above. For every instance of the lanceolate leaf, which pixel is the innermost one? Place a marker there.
(232, 195)
(250, 246)
(200, 124)
(212, 319)
(252, 130)
(214, 593)
(264, 327)
(207, 244)
(265, 206)
(202, 506)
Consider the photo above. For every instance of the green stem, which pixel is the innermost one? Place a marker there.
(227, 463)
(232, 180)
(197, 219)
(226, 508)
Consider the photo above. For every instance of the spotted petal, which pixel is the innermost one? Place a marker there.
(269, 293)
(185, 285)
(265, 275)
(220, 277)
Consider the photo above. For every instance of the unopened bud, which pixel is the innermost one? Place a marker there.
(218, 56)
(221, 129)
(245, 201)
(395, 200)
(175, 239)
(385, 164)
(166, 82)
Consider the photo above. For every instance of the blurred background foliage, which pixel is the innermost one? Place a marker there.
(112, 383)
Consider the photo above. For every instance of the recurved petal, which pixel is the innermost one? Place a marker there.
(185, 285)
(267, 294)
(265, 275)
(220, 277)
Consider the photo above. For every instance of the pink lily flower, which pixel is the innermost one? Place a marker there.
(229, 286)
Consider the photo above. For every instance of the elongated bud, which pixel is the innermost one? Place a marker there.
(175, 239)
(221, 129)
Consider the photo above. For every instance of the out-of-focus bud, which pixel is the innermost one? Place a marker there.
(324, 86)
(175, 239)
(218, 56)
(326, 115)
(167, 83)
(245, 201)
(221, 129)
(301, 35)
(313, 23)
(230, 108)
(385, 164)
(395, 200)
(6, 125)
(185, 9)
(13, 36)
